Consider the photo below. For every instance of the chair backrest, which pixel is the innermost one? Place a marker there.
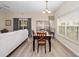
(33, 32)
(41, 35)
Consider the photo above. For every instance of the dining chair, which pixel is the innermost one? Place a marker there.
(41, 41)
(33, 32)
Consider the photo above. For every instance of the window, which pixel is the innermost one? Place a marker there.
(23, 23)
(68, 26)
(72, 32)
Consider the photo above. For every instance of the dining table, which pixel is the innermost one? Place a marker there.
(47, 37)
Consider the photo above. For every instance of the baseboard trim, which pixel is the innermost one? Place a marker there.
(17, 47)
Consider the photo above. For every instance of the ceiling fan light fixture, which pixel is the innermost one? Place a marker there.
(49, 11)
(46, 9)
(43, 12)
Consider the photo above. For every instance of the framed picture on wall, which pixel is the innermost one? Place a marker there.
(8, 22)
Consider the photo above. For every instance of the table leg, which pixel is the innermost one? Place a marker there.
(33, 44)
(50, 45)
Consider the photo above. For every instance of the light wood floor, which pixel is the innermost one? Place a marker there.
(57, 50)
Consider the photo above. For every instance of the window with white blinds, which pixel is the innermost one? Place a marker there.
(68, 26)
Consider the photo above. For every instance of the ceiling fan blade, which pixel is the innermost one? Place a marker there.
(5, 6)
(0, 7)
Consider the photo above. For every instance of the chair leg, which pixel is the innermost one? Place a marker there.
(38, 48)
(45, 48)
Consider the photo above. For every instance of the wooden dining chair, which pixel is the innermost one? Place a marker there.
(41, 40)
(33, 32)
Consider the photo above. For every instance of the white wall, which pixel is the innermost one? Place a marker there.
(2, 18)
(64, 10)
(5, 15)
(10, 15)
(34, 16)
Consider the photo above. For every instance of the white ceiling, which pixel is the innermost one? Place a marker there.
(29, 6)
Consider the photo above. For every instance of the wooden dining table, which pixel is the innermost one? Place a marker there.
(47, 37)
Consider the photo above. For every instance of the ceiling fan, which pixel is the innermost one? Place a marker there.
(3, 6)
(46, 10)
